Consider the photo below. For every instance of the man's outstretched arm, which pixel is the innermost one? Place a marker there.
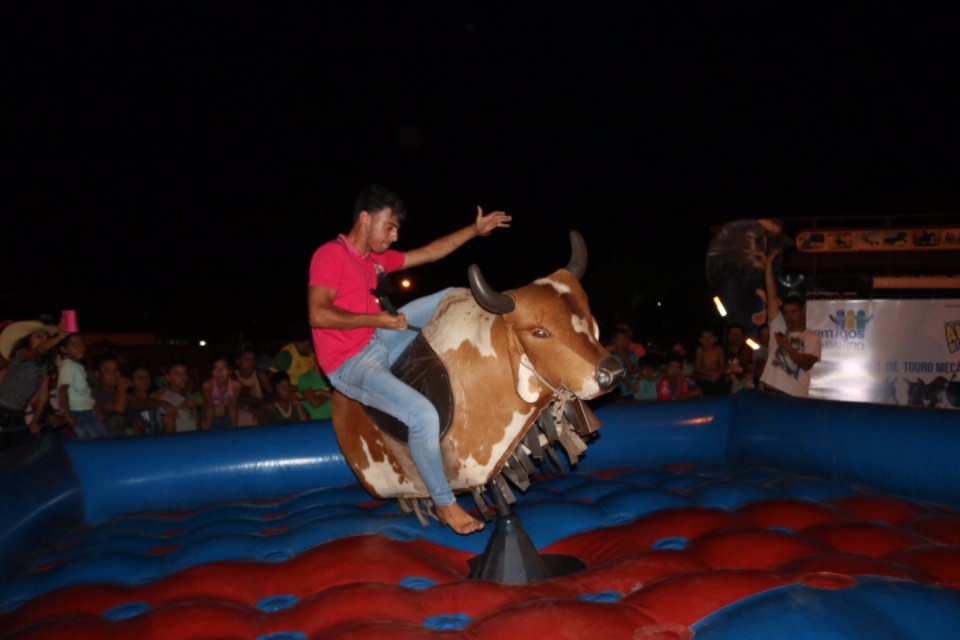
(773, 297)
(442, 247)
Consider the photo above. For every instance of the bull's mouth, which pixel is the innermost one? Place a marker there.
(609, 373)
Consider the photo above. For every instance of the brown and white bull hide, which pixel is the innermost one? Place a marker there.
(503, 369)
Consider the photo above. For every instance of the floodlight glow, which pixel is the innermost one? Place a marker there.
(719, 305)
(752, 344)
(405, 283)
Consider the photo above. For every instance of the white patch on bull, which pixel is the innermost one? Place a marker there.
(471, 473)
(559, 286)
(463, 321)
(382, 476)
(528, 385)
(582, 325)
(588, 388)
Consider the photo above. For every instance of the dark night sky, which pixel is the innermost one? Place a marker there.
(171, 166)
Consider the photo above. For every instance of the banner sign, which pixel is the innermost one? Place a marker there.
(916, 239)
(887, 351)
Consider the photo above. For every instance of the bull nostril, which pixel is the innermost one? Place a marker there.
(603, 378)
(609, 373)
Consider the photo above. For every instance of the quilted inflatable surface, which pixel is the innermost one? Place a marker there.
(727, 548)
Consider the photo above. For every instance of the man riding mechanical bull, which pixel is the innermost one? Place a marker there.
(357, 343)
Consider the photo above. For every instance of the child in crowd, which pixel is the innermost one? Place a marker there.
(710, 366)
(739, 359)
(179, 413)
(143, 411)
(647, 380)
(689, 369)
(76, 400)
(676, 386)
(52, 415)
(220, 396)
(111, 395)
(287, 407)
(160, 382)
(636, 347)
(255, 386)
(628, 359)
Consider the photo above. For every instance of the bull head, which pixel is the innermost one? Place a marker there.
(528, 330)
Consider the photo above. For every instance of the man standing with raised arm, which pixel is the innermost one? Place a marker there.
(793, 349)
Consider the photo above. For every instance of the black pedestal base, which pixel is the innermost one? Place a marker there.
(511, 557)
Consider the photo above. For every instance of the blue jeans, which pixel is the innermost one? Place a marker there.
(366, 377)
(88, 425)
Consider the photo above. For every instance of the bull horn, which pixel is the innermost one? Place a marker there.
(492, 301)
(578, 255)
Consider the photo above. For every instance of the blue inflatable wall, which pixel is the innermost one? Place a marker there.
(904, 451)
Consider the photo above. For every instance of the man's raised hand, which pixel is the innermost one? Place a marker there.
(486, 224)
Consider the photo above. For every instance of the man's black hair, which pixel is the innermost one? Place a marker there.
(373, 198)
(106, 356)
(178, 362)
(247, 347)
(673, 356)
(279, 376)
(736, 325)
(794, 297)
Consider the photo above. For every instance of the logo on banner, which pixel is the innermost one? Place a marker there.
(952, 330)
(850, 329)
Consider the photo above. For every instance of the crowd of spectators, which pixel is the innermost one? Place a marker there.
(48, 382)
(718, 367)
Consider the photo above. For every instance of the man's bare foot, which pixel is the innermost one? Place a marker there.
(458, 519)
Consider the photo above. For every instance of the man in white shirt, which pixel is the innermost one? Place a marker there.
(793, 349)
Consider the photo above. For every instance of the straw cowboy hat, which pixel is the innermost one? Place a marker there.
(17, 331)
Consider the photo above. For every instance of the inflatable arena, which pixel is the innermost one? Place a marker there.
(737, 517)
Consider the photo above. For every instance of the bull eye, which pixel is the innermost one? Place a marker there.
(540, 333)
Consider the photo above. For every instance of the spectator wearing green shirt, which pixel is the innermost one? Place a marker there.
(295, 359)
(317, 395)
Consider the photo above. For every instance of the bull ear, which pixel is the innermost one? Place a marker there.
(578, 255)
(492, 301)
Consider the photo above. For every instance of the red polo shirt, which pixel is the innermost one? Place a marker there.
(339, 266)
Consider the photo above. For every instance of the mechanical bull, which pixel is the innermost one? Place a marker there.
(492, 363)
